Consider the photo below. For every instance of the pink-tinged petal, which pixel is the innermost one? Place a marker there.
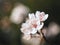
(41, 17)
(45, 17)
(34, 25)
(42, 13)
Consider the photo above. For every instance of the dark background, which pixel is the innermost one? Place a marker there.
(51, 7)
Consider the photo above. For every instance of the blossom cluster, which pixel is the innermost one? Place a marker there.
(34, 23)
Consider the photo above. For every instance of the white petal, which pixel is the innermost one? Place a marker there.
(25, 31)
(45, 17)
(38, 22)
(40, 26)
(25, 25)
(33, 31)
(31, 16)
(37, 14)
(25, 28)
(42, 13)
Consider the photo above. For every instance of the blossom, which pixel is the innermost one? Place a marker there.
(29, 27)
(41, 16)
(33, 23)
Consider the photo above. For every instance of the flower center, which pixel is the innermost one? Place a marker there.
(34, 25)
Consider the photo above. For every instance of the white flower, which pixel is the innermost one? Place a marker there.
(34, 23)
(41, 16)
(28, 28)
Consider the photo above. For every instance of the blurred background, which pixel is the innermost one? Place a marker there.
(14, 12)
